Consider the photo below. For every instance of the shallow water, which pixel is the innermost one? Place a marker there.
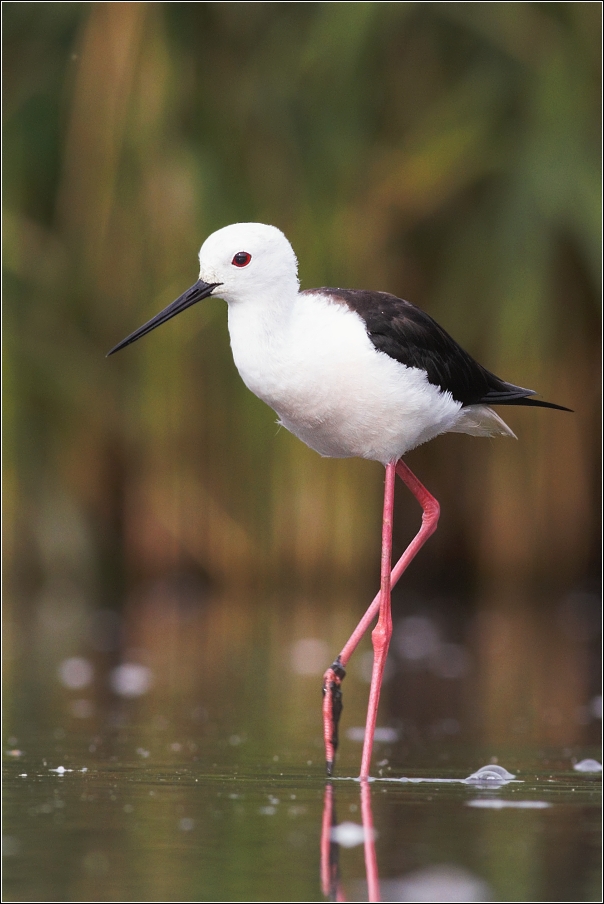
(177, 755)
(115, 818)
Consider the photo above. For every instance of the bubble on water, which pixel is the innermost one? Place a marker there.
(444, 883)
(131, 679)
(186, 824)
(498, 804)
(295, 811)
(75, 672)
(383, 734)
(587, 766)
(349, 834)
(490, 775)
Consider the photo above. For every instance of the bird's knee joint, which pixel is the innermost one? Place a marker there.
(431, 511)
(332, 679)
(338, 669)
(380, 637)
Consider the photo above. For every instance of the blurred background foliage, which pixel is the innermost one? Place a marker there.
(445, 152)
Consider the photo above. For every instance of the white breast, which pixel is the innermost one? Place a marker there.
(315, 365)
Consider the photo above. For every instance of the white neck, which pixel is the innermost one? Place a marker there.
(258, 328)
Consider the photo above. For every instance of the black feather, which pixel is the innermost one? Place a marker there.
(410, 336)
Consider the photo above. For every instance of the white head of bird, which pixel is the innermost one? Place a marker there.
(249, 261)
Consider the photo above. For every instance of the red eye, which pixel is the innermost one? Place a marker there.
(241, 259)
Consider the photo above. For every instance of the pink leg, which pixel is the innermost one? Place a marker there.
(332, 694)
(381, 634)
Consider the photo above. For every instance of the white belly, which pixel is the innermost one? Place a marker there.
(331, 388)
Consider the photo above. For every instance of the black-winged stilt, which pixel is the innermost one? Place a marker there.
(351, 373)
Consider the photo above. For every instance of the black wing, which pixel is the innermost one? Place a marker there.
(410, 336)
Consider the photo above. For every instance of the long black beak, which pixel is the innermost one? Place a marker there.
(197, 291)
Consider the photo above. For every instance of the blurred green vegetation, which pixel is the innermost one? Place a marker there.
(446, 152)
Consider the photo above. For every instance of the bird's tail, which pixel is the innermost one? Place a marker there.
(523, 400)
(503, 393)
(480, 420)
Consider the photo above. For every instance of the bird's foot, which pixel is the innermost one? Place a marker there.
(332, 710)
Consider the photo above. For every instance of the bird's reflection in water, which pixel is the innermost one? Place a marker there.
(347, 834)
(441, 882)
(330, 850)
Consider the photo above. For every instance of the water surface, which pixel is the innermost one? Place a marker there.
(124, 817)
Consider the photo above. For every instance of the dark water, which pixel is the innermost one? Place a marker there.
(125, 816)
(177, 755)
